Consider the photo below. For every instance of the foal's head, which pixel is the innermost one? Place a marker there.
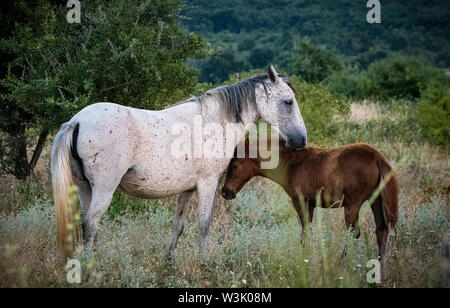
(243, 169)
(240, 171)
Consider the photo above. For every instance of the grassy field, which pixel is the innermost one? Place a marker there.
(254, 240)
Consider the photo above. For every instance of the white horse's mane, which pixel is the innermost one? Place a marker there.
(235, 98)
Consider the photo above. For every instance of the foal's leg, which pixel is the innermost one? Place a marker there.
(206, 200)
(311, 213)
(351, 212)
(381, 227)
(300, 208)
(183, 201)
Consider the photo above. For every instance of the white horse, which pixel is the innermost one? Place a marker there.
(107, 146)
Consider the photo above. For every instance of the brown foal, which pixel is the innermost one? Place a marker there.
(346, 176)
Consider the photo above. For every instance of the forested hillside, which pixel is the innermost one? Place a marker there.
(250, 34)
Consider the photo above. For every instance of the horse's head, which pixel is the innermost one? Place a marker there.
(279, 106)
(239, 172)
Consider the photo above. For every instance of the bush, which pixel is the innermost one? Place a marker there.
(318, 107)
(345, 82)
(433, 113)
(313, 63)
(397, 77)
(218, 68)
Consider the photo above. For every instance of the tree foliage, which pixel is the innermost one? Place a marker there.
(415, 27)
(319, 107)
(398, 77)
(313, 63)
(433, 112)
(128, 52)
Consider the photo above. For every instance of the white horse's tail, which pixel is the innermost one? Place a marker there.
(66, 207)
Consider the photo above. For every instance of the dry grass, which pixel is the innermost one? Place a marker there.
(364, 111)
(254, 239)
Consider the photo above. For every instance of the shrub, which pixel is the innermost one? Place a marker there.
(313, 63)
(218, 68)
(433, 113)
(345, 82)
(318, 107)
(397, 77)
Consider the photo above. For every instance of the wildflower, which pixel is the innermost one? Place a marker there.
(306, 261)
(244, 281)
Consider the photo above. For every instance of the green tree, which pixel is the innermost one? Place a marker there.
(218, 69)
(261, 57)
(345, 82)
(398, 77)
(124, 51)
(319, 108)
(313, 63)
(433, 113)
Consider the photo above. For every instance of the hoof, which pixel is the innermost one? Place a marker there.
(206, 263)
(169, 256)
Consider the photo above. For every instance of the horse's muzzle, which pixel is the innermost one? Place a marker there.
(298, 142)
(228, 194)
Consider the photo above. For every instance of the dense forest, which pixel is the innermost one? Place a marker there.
(251, 34)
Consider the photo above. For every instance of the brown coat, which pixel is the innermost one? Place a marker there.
(345, 176)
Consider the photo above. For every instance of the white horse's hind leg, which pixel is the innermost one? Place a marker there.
(91, 218)
(184, 198)
(206, 201)
(84, 194)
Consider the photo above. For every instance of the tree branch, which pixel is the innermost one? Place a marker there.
(124, 84)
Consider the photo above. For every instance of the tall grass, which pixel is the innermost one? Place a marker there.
(255, 239)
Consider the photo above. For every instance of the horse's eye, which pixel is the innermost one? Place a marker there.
(288, 102)
(233, 167)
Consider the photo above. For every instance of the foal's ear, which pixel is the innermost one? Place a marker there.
(273, 75)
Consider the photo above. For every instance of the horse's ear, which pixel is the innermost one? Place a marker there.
(273, 75)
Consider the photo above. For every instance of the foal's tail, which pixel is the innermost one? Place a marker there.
(66, 208)
(389, 192)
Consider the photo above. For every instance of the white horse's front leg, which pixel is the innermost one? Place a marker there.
(183, 201)
(206, 200)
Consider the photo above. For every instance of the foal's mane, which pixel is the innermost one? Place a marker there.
(236, 97)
